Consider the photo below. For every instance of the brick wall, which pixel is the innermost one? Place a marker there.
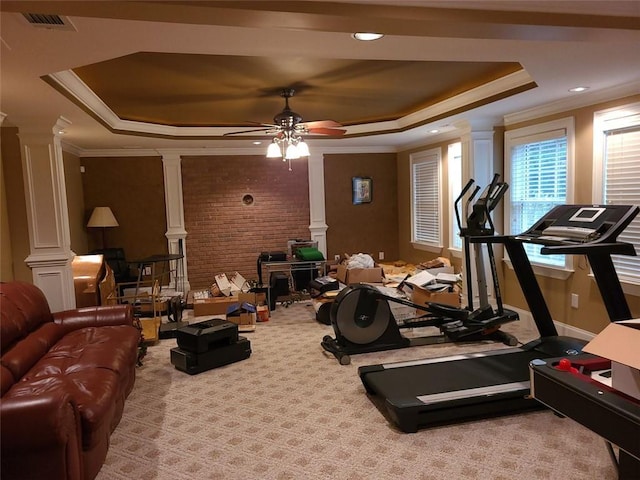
(224, 234)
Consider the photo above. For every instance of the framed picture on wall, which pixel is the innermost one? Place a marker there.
(362, 190)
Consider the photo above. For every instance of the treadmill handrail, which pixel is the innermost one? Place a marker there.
(609, 248)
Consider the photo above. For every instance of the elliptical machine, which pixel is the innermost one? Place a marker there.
(470, 321)
(363, 321)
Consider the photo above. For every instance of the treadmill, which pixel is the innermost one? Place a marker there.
(436, 391)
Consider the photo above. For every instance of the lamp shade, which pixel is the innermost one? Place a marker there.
(102, 217)
(273, 151)
(303, 148)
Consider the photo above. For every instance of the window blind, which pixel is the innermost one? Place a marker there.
(622, 187)
(538, 183)
(426, 201)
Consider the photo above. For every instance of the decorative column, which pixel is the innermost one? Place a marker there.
(176, 233)
(47, 215)
(477, 163)
(317, 226)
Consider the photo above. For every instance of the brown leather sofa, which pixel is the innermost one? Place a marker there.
(64, 378)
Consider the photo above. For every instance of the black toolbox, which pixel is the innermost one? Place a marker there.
(193, 363)
(207, 335)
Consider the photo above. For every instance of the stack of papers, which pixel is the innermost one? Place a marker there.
(424, 278)
(439, 282)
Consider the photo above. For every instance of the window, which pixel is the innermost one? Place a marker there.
(617, 177)
(538, 167)
(425, 200)
(454, 163)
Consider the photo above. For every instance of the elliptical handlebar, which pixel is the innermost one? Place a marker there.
(482, 208)
(456, 204)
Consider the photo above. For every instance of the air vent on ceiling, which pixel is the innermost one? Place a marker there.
(43, 20)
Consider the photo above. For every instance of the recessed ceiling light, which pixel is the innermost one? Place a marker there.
(435, 130)
(257, 143)
(367, 36)
(578, 89)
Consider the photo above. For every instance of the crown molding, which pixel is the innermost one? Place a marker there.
(571, 103)
(213, 151)
(68, 82)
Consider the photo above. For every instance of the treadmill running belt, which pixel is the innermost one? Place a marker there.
(434, 391)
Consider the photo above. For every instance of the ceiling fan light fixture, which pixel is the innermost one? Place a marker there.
(303, 148)
(291, 152)
(367, 36)
(273, 150)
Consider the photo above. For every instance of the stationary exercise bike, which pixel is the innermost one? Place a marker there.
(363, 321)
(470, 321)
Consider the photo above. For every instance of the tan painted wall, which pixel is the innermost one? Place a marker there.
(16, 205)
(75, 203)
(134, 189)
(369, 227)
(6, 255)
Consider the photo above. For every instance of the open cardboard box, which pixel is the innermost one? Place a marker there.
(421, 296)
(360, 275)
(212, 306)
(620, 342)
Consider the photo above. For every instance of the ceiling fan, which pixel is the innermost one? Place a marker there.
(288, 123)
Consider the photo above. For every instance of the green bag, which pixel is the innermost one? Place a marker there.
(309, 254)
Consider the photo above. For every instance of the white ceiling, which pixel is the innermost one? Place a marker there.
(607, 60)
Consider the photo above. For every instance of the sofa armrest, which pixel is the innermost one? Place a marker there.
(41, 437)
(107, 315)
(46, 420)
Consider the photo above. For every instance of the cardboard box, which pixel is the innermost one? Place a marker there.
(244, 315)
(254, 298)
(421, 296)
(619, 343)
(360, 275)
(400, 312)
(212, 306)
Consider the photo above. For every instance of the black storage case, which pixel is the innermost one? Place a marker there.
(208, 335)
(193, 363)
(279, 284)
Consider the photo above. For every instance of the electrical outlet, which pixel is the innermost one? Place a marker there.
(574, 300)
(380, 255)
(147, 270)
(336, 258)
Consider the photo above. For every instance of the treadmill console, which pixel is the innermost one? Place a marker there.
(580, 224)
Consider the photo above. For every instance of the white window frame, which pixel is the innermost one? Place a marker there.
(431, 155)
(532, 134)
(454, 170)
(604, 121)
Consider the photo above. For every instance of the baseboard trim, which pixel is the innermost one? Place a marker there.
(562, 328)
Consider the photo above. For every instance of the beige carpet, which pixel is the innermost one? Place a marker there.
(292, 412)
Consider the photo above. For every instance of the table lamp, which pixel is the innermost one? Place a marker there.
(102, 217)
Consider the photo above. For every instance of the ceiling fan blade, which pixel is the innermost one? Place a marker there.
(248, 131)
(336, 132)
(321, 124)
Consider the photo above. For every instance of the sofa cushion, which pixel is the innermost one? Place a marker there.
(26, 352)
(24, 309)
(112, 348)
(93, 365)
